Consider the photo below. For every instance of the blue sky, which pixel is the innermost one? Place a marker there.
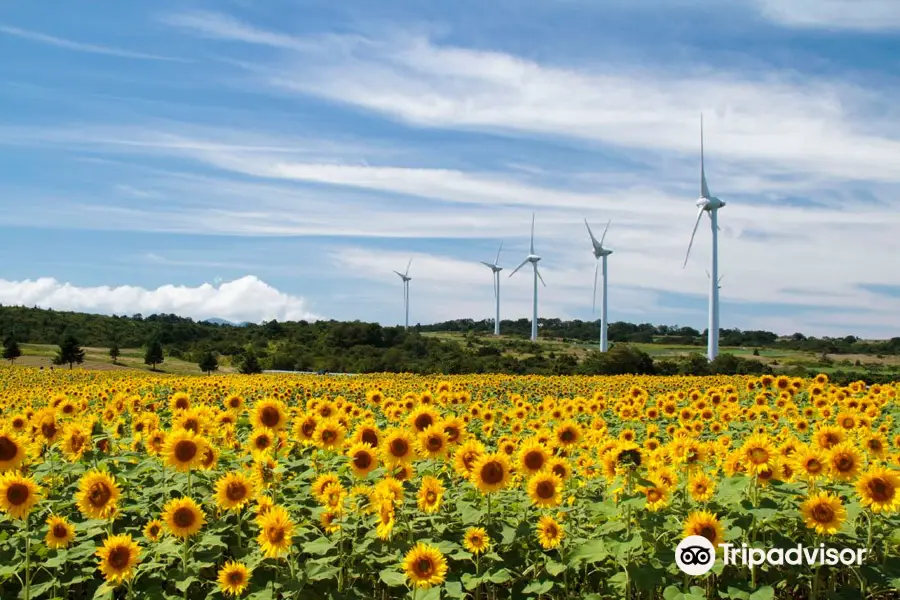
(279, 159)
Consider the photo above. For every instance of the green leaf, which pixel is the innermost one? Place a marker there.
(392, 577)
(185, 583)
(104, 592)
(318, 571)
(501, 576)
(454, 589)
(538, 587)
(319, 547)
(554, 568)
(671, 592)
(766, 592)
(589, 552)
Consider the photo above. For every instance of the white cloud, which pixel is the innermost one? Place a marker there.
(50, 40)
(865, 15)
(244, 299)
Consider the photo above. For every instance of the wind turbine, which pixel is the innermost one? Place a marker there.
(720, 279)
(405, 277)
(710, 205)
(600, 253)
(533, 259)
(495, 274)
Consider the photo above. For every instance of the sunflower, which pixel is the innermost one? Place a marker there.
(390, 488)
(758, 454)
(333, 497)
(269, 414)
(810, 463)
(550, 533)
(261, 440)
(386, 516)
(490, 473)
(701, 487)
(422, 418)
(432, 442)
(154, 530)
(179, 401)
(329, 434)
(879, 489)
(183, 449)
(60, 532)
(560, 466)
(397, 447)
(304, 429)
(828, 436)
(322, 482)
(425, 566)
(330, 521)
(98, 495)
(183, 517)
(76, 440)
(568, 434)
(545, 489)
(118, 557)
(233, 578)
(476, 540)
(706, 524)
(657, 497)
(12, 451)
(363, 459)
(233, 491)
(533, 457)
(465, 457)
(276, 531)
(823, 512)
(430, 495)
(844, 461)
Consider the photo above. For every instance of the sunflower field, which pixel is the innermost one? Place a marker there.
(130, 485)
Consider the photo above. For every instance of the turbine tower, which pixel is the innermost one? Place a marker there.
(710, 205)
(600, 253)
(533, 259)
(405, 277)
(495, 274)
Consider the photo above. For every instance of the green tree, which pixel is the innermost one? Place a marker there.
(11, 350)
(250, 364)
(154, 354)
(114, 352)
(208, 362)
(70, 351)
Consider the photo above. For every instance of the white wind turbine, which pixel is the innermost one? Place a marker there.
(533, 259)
(495, 273)
(710, 205)
(405, 277)
(600, 253)
(720, 279)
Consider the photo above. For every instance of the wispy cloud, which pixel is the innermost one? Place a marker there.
(59, 42)
(863, 15)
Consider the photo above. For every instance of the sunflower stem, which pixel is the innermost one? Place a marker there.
(27, 560)
(184, 559)
(240, 520)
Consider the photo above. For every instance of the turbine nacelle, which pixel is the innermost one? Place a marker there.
(533, 258)
(711, 203)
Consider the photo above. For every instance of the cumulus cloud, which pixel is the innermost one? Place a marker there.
(863, 15)
(244, 299)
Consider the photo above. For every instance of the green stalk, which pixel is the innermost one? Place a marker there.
(27, 560)
(184, 561)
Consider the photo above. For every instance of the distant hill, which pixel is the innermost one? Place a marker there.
(217, 321)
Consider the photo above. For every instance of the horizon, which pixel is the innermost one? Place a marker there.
(250, 163)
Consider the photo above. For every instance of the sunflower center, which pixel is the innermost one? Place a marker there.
(235, 491)
(831, 439)
(881, 490)
(823, 513)
(183, 517)
(534, 460)
(759, 455)
(308, 428)
(118, 557)
(430, 497)
(60, 531)
(185, 450)
(17, 494)
(567, 436)
(653, 495)
(844, 463)
(814, 466)
(423, 421)
(362, 460)
(328, 436)
(99, 494)
(48, 429)
(424, 567)
(399, 447)
(709, 532)
(275, 535)
(235, 578)
(848, 423)
(434, 443)
(551, 531)
(545, 490)
(492, 473)
(262, 442)
(8, 449)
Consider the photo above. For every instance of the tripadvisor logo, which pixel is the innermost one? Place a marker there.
(695, 555)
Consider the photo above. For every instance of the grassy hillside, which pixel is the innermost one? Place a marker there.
(97, 359)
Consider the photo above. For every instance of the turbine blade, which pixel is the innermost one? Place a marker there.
(696, 225)
(524, 262)
(497, 260)
(487, 264)
(408, 264)
(591, 233)
(594, 297)
(704, 190)
(399, 273)
(539, 274)
(604, 232)
(532, 233)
